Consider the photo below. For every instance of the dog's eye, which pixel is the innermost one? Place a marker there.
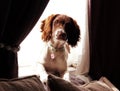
(59, 22)
(68, 27)
(56, 22)
(68, 24)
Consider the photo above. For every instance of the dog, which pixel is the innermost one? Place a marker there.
(59, 33)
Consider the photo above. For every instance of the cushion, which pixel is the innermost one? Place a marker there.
(97, 86)
(28, 83)
(59, 84)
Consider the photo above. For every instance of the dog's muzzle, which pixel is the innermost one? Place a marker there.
(61, 35)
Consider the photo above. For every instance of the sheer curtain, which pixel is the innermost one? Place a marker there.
(84, 59)
(17, 18)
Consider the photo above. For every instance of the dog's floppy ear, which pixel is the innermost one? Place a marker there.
(73, 33)
(46, 27)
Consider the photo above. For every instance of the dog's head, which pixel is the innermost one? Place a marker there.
(58, 27)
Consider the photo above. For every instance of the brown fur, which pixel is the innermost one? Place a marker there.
(72, 29)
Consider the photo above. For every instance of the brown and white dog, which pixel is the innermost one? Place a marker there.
(59, 32)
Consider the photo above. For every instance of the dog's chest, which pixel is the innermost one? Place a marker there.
(56, 59)
(57, 55)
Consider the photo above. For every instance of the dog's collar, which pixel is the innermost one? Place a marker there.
(54, 49)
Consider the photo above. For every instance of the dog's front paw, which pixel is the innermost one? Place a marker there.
(43, 78)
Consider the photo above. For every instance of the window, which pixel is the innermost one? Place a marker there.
(31, 46)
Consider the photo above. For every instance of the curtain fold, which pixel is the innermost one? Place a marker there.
(105, 40)
(17, 18)
(83, 59)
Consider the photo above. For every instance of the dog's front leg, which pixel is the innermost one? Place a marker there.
(42, 72)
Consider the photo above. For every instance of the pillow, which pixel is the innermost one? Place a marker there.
(97, 86)
(28, 83)
(59, 84)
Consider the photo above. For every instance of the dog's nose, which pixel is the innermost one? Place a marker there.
(61, 33)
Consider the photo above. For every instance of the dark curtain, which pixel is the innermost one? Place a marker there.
(17, 18)
(105, 40)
